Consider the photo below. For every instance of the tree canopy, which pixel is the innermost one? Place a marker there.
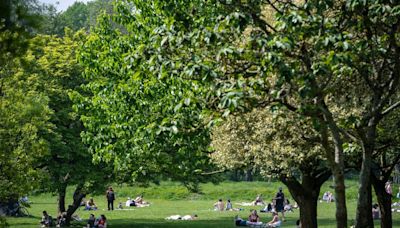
(303, 59)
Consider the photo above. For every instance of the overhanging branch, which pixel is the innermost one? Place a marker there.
(391, 108)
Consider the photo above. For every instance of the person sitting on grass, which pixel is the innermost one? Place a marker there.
(253, 217)
(61, 219)
(47, 220)
(229, 206)
(91, 221)
(139, 202)
(219, 206)
(258, 200)
(288, 206)
(90, 205)
(325, 196)
(375, 212)
(101, 222)
(139, 199)
(267, 208)
(275, 222)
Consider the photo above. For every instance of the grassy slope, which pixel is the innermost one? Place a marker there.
(171, 198)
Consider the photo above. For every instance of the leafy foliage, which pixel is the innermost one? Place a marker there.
(24, 116)
(280, 143)
(150, 125)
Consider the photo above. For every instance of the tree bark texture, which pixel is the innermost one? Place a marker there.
(384, 201)
(335, 159)
(306, 195)
(79, 194)
(364, 202)
(61, 198)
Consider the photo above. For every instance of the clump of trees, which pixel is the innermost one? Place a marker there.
(316, 80)
(332, 62)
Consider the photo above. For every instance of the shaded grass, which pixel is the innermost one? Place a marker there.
(165, 202)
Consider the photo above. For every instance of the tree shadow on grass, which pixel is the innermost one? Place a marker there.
(221, 222)
(160, 223)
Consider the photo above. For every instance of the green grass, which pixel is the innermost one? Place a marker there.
(172, 198)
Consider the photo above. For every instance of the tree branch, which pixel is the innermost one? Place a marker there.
(391, 108)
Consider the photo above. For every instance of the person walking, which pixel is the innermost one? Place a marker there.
(110, 195)
(279, 201)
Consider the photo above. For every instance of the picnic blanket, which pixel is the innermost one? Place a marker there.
(245, 204)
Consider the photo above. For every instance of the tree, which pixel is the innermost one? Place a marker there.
(53, 62)
(24, 112)
(282, 145)
(78, 16)
(385, 157)
(148, 126)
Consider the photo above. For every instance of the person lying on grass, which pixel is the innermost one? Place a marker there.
(258, 200)
(267, 208)
(242, 222)
(178, 217)
(130, 203)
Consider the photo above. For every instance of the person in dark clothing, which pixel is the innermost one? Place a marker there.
(279, 201)
(91, 221)
(110, 195)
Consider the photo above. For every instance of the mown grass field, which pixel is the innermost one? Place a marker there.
(171, 198)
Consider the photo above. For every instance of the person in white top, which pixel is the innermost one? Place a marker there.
(275, 222)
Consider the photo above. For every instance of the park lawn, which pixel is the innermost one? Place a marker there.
(166, 203)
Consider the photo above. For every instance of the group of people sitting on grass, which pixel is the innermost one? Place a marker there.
(100, 222)
(328, 197)
(255, 221)
(137, 202)
(61, 221)
(220, 206)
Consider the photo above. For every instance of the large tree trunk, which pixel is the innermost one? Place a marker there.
(396, 176)
(61, 198)
(79, 194)
(364, 203)
(306, 195)
(249, 174)
(335, 159)
(384, 201)
(340, 197)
